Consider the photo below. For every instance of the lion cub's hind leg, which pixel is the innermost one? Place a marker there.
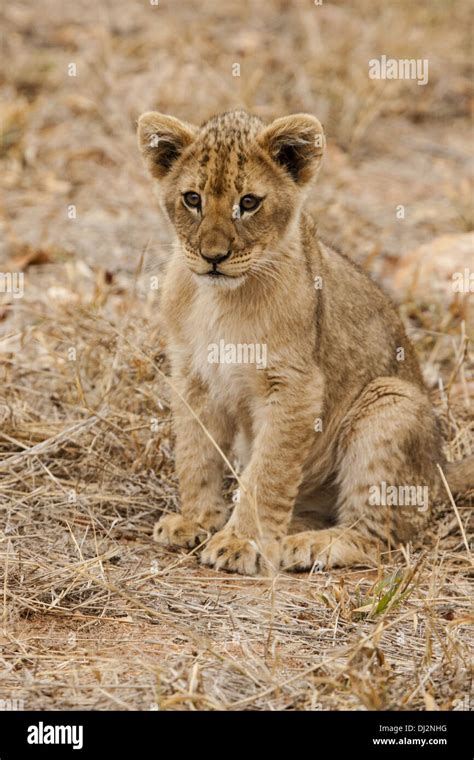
(388, 448)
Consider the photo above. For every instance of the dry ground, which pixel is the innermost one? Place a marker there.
(93, 614)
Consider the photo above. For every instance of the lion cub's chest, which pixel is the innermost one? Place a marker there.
(226, 353)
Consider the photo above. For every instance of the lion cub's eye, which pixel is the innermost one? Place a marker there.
(249, 202)
(192, 200)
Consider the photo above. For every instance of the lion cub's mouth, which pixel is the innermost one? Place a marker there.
(216, 273)
(217, 278)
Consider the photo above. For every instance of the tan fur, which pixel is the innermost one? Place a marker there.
(337, 357)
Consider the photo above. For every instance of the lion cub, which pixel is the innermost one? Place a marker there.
(336, 396)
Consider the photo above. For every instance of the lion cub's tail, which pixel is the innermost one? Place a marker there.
(460, 475)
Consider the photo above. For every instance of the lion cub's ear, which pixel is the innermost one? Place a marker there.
(162, 139)
(296, 143)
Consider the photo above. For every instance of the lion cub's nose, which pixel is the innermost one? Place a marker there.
(215, 258)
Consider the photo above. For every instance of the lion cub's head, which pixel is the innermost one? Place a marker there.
(232, 187)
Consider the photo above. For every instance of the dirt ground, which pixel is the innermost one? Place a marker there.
(93, 614)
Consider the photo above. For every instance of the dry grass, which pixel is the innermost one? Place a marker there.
(94, 615)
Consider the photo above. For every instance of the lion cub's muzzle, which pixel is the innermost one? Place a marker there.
(214, 259)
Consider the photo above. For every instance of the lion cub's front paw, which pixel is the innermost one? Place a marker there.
(175, 530)
(226, 551)
(300, 552)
